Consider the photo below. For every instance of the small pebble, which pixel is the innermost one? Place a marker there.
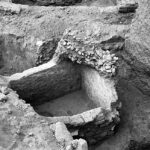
(108, 57)
(107, 67)
(100, 62)
(107, 52)
(76, 50)
(97, 67)
(69, 147)
(72, 48)
(115, 58)
(74, 144)
(31, 134)
(68, 43)
(113, 70)
(39, 43)
(78, 61)
(109, 71)
(87, 60)
(79, 53)
(99, 53)
(64, 43)
(112, 55)
(102, 69)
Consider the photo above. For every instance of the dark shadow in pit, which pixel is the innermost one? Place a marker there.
(99, 3)
(57, 91)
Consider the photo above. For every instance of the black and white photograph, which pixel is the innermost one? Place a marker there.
(74, 74)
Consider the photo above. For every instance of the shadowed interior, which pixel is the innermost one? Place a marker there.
(66, 89)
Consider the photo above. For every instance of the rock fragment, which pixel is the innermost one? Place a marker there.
(62, 134)
(127, 6)
(82, 145)
(78, 145)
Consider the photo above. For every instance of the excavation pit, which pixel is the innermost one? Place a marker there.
(73, 94)
(66, 89)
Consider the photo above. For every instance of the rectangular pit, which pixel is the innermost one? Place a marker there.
(64, 89)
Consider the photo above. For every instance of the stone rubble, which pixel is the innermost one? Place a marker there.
(103, 61)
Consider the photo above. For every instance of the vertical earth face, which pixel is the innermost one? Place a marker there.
(74, 66)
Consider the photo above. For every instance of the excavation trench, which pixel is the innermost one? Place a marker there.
(71, 93)
(67, 2)
(65, 89)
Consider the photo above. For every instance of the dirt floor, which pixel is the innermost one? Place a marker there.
(68, 105)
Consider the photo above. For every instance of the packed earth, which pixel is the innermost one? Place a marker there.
(74, 75)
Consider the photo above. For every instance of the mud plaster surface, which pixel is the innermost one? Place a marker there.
(71, 104)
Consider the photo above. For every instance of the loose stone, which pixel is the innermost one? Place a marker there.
(115, 58)
(107, 67)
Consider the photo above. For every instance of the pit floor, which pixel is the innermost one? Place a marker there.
(68, 105)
